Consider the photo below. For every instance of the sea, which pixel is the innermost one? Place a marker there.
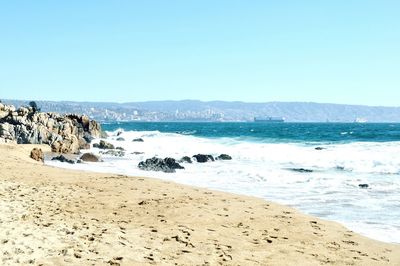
(344, 172)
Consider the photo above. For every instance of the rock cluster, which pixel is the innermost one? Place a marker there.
(65, 133)
(167, 165)
(203, 158)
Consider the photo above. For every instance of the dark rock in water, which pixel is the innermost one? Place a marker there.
(138, 140)
(106, 145)
(119, 133)
(301, 170)
(117, 153)
(120, 139)
(341, 168)
(63, 159)
(137, 152)
(120, 148)
(203, 158)
(89, 157)
(37, 155)
(224, 157)
(320, 148)
(185, 159)
(167, 165)
(103, 145)
(171, 162)
(363, 185)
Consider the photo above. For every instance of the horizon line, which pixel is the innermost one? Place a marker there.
(201, 101)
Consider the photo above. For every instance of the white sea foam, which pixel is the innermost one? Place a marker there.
(331, 191)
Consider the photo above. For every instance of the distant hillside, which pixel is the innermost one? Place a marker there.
(189, 110)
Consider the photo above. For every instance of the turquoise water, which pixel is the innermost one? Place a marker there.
(273, 132)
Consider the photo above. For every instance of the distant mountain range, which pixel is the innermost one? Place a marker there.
(191, 110)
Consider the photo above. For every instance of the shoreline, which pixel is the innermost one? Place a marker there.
(60, 216)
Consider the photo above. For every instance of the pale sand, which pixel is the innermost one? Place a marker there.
(53, 216)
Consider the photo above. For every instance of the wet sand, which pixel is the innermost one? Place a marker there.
(52, 216)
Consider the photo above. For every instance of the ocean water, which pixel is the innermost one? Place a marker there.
(264, 156)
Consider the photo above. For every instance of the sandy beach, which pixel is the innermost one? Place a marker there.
(52, 216)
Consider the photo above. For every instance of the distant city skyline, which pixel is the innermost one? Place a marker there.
(344, 52)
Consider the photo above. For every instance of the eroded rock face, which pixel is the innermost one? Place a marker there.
(37, 155)
(64, 133)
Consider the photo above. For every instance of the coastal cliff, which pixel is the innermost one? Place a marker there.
(64, 133)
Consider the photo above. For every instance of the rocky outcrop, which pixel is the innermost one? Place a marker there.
(138, 140)
(64, 133)
(167, 165)
(37, 155)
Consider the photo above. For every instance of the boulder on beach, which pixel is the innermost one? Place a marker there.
(203, 158)
(319, 148)
(103, 145)
(120, 139)
(224, 157)
(62, 159)
(138, 140)
(89, 157)
(37, 155)
(363, 185)
(167, 165)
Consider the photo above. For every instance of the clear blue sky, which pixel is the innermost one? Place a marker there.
(340, 51)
